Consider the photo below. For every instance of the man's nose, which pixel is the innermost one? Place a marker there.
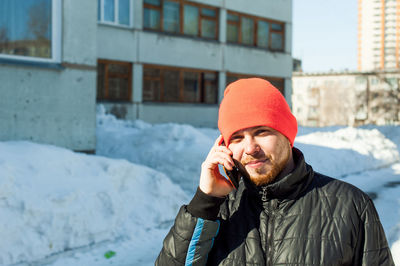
(251, 146)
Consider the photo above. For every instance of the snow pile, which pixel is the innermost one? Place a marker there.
(53, 200)
(347, 151)
(176, 150)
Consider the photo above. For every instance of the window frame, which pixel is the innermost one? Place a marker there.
(182, 3)
(181, 71)
(56, 32)
(268, 78)
(256, 19)
(116, 15)
(107, 75)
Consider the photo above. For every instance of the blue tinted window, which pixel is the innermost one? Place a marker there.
(262, 33)
(123, 12)
(247, 28)
(208, 28)
(276, 26)
(25, 28)
(232, 17)
(208, 12)
(232, 33)
(109, 10)
(171, 16)
(151, 19)
(190, 20)
(276, 41)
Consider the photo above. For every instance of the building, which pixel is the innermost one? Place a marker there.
(378, 34)
(297, 65)
(346, 98)
(183, 53)
(155, 60)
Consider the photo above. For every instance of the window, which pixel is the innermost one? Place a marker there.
(180, 17)
(171, 16)
(30, 30)
(233, 28)
(254, 31)
(263, 34)
(279, 83)
(247, 31)
(115, 12)
(168, 84)
(114, 81)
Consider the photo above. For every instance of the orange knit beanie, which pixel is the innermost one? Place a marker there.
(255, 102)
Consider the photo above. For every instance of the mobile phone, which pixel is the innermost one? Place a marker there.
(234, 174)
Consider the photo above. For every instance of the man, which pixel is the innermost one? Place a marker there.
(282, 213)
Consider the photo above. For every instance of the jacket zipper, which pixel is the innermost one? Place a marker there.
(269, 225)
(271, 229)
(264, 194)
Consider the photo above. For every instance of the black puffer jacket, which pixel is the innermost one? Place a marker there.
(304, 218)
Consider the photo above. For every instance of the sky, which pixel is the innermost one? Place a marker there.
(325, 34)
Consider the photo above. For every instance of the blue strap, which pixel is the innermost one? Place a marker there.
(193, 242)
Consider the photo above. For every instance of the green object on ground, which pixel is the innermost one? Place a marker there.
(109, 254)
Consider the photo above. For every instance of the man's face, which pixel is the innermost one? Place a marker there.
(263, 151)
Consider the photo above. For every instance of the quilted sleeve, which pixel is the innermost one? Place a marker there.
(373, 246)
(189, 241)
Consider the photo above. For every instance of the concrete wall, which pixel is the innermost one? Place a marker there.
(125, 49)
(53, 104)
(195, 114)
(48, 106)
(179, 51)
(200, 115)
(257, 61)
(346, 98)
(79, 32)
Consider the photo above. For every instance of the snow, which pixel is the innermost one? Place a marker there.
(56, 200)
(66, 208)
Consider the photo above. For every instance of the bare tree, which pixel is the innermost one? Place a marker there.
(384, 100)
(3, 35)
(39, 21)
(4, 41)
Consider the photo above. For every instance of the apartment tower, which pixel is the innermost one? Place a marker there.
(378, 34)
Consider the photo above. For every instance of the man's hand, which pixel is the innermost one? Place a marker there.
(211, 181)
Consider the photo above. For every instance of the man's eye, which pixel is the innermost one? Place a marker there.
(236, 138)
(262, 132)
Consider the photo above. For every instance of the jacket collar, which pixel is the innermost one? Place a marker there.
(285, 187)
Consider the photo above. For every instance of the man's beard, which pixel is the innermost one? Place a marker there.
(261, 177)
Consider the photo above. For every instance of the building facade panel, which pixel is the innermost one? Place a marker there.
(79, 41)
(125, 49)
(258, 62)
(179, 51)
(276, 10)
(48, 106)
(201, 116)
